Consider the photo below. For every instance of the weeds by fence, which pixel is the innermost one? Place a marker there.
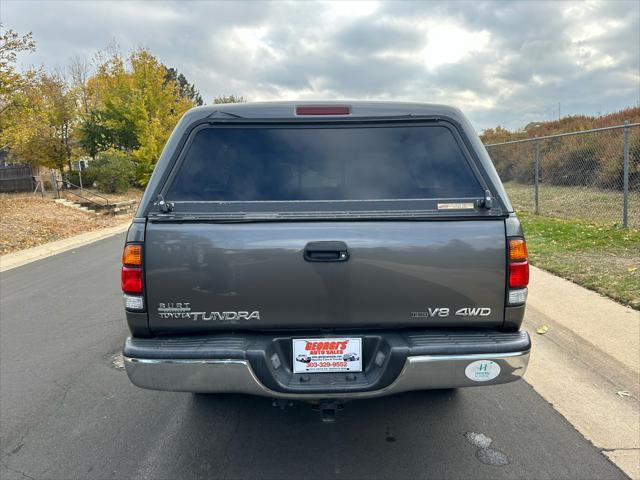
(592, 174)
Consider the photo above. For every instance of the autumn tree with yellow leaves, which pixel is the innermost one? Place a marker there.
(118, 109)
(135, 106)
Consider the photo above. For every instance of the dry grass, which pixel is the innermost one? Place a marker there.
(28, 221)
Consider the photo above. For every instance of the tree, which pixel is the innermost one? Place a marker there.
(11, 43)
(37, 110)
(110, 120)
(136, 104)
(43, 133)
(127, 107)
(228, 99)
(184, 88)
(13, 101)
(79, 73)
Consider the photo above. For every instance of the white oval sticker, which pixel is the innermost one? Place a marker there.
(482, 370)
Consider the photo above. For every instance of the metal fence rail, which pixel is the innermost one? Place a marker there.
(592, 175)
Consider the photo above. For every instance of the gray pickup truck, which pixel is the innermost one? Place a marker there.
(324, 252)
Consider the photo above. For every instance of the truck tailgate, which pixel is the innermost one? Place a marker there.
(216, 276)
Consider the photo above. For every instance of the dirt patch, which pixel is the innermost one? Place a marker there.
(27, 221)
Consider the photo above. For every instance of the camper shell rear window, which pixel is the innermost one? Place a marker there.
(361, 167)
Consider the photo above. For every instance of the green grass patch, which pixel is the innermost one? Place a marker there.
(581, 203)
(599, 257)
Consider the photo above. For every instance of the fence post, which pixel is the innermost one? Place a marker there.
(536, 208)
(80, 177)
(625, 178)
(54, 184)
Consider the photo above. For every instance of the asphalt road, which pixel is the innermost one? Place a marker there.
(66, 412)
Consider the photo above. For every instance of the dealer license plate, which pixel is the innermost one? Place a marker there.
(315, 355)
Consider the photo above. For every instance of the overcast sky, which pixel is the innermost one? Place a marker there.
(504, 63)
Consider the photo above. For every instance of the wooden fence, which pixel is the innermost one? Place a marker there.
(16, 178)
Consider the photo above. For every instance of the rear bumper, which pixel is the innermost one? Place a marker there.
(233, 364)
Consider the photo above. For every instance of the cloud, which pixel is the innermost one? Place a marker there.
(503, 63)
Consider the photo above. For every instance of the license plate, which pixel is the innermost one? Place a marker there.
(315, 355)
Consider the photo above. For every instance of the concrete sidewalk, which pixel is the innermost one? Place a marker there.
(588, 364)
(17, 259)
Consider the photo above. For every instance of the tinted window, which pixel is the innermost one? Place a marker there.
(253, 164)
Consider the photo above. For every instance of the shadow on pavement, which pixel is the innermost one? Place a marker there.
(411, 435)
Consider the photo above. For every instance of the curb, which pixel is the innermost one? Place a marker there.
(23, 257)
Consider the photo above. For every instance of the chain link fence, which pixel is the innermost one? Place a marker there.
(591, 175)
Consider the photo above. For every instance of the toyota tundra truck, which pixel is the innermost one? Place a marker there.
(325, 252)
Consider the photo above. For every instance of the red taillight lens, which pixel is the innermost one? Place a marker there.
(323, 110)
(518, 274)
(131, 280)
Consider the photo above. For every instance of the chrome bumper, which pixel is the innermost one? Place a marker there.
(236, 376)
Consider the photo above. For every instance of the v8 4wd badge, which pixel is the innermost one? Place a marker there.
(446, 311)
(473, 312)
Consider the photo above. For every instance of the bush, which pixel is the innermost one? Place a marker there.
(88, 178)
(143, 173)
(575, 166)
(514, 162)
(72, 177)
(112, 172)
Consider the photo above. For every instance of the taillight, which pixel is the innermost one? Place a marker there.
(518, 271)
(518, 275)
(517, 250)
(323, 110)
(132, 255)
(131, 278)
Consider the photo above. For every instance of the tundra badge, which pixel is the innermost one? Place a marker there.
(183, 310)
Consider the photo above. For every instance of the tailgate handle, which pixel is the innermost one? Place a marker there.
(326, 252)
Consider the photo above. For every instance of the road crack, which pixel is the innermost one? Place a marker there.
(15, 470)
